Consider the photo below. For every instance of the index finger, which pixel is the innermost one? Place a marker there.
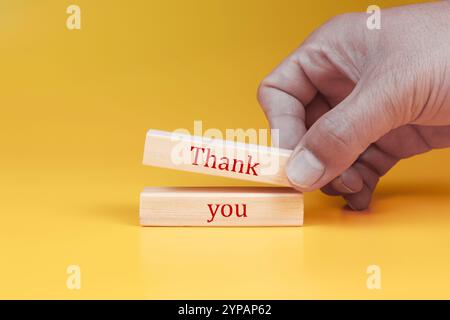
(283, 95)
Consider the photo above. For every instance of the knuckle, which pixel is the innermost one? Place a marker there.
(340, 133)
(262, 93)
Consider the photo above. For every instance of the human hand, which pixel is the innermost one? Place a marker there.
(352, 102)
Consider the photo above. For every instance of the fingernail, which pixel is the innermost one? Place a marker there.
(304, 169)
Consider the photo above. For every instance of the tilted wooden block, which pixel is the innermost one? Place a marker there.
(221, 206)
(216, 157)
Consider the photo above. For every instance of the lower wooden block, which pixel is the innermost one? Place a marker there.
(221, 206)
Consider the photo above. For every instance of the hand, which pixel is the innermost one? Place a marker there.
(354, 101)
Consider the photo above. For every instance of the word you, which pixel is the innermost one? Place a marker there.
(227, 210)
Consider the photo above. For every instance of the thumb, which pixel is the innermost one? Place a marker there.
(336, 140)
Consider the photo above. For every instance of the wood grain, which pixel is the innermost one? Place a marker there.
(220, 206)
(216, 157)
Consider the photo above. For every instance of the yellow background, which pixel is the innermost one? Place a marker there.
(75, 107)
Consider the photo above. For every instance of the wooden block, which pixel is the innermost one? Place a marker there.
(220, 206)
(216, 157)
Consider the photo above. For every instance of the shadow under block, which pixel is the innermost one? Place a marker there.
(220, 206)
(216, 157)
